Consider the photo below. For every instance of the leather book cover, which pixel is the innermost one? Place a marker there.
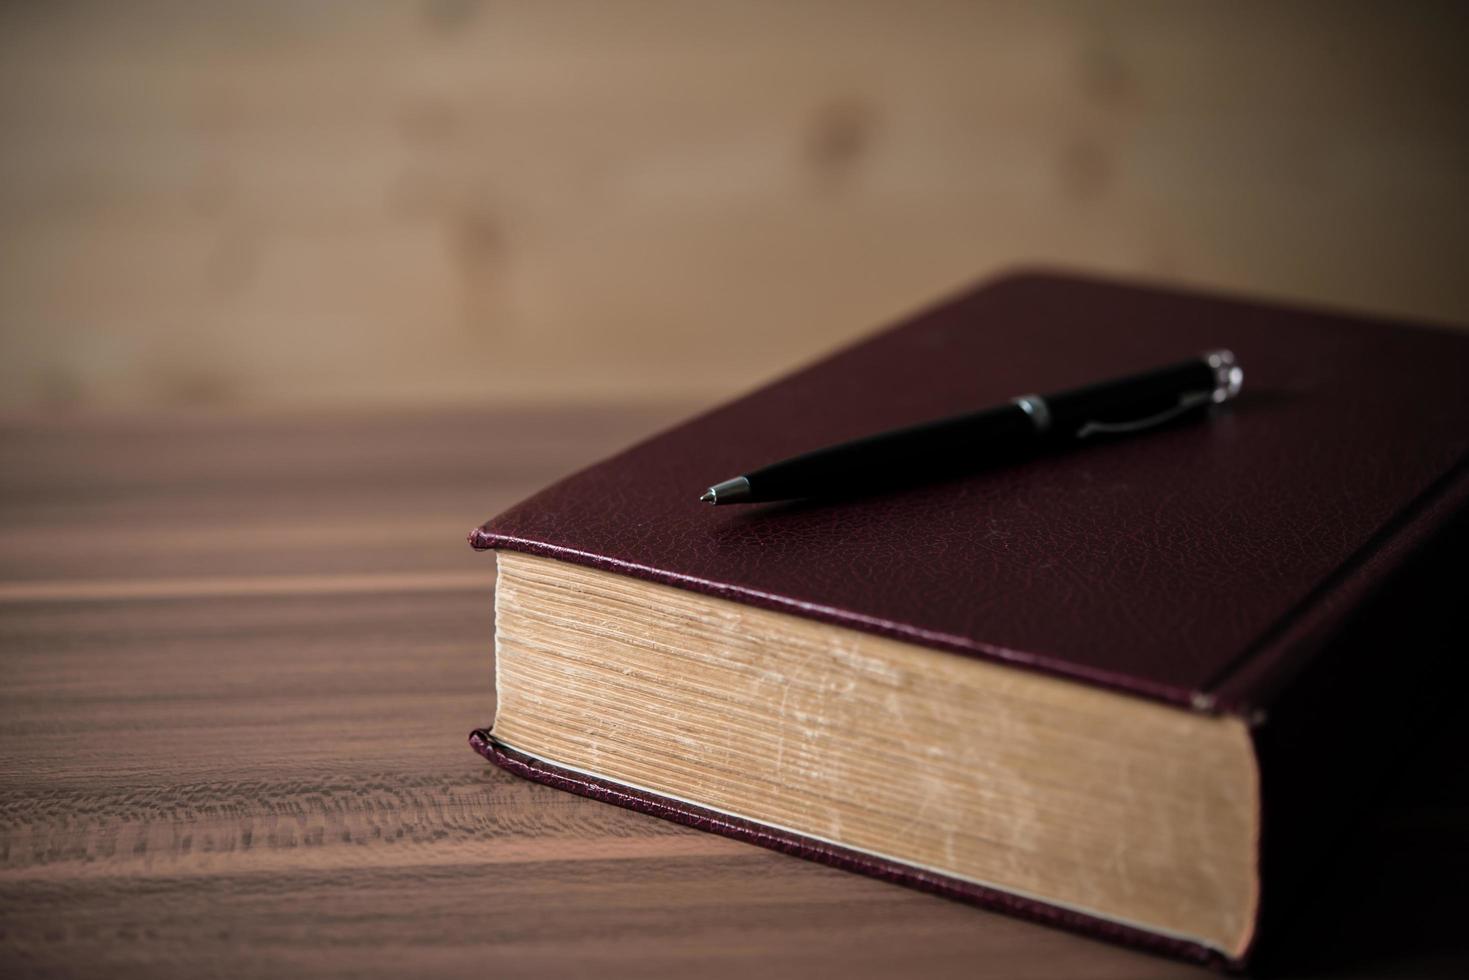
(1212, 565)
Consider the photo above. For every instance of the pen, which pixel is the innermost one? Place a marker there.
(948, 446)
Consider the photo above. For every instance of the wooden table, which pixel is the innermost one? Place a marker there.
(239, 657)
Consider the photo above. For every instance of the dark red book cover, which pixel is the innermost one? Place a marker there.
(1214, 565)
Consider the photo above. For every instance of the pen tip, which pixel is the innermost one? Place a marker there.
(728, 492)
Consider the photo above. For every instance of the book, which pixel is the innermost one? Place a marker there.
(1134, 689)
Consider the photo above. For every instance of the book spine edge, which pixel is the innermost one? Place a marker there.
(1326, 743)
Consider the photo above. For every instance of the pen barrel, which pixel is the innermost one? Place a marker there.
(928, 451)
(948, 447)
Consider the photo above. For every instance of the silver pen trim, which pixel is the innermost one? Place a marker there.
(1035, 406)
(1229, 377)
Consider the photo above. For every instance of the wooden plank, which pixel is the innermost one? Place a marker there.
(219, 495)
(210, 774)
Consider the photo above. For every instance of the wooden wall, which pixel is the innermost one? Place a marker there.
(363, 203)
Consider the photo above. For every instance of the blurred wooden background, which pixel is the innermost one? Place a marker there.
(449, 201)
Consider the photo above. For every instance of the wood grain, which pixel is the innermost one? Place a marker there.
(205, 773)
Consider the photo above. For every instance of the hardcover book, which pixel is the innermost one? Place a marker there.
(1133, 688)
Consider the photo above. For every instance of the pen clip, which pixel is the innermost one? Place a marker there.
(1228, 378)
(1186, 402)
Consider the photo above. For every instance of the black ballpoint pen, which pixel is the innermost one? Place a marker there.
(952, 445)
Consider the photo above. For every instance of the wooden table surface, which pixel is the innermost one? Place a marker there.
(239, 657)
